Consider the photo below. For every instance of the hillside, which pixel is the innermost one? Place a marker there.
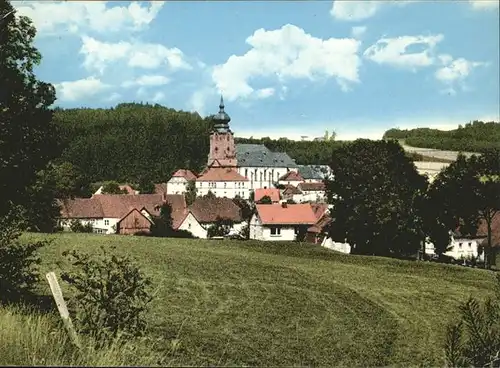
(476, 136)
(246, 303)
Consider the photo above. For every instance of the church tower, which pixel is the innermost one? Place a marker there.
(222, 148)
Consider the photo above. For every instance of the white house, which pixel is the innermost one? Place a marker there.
(179, 180)
(311, 192)
(273, 222)
(291, 178)
(222, 182)
(204, 212)
(461, 248)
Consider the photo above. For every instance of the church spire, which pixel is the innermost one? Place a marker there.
(221, 119)
(221, 104)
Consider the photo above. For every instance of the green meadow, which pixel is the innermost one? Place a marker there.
(245, 303)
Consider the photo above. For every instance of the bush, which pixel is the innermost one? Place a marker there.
(76, 226)
(474, 341)
(112, 295)
(18, 261)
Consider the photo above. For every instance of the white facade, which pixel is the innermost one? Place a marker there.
(228, 189)
(262, 177)
(336, 246)
(460, 248)
(310, 196)
(291, 182)
(177, 185)
(100, 225)
(258, 231)
(199, 230)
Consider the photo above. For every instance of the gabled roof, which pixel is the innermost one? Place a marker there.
(132, 210)
(221, 174)
(207, 209)
(290, 189)
(319, 227)
(80, 208)
(309, 172)
(258, 155)
(272, 193)
(311, 186)
(286, 214)
(319, 209)
(184, 173)
(292, 176)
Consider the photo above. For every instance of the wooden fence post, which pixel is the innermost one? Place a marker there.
(63, 309)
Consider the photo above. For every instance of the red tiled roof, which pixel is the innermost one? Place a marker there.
(161, 188)
(290, 189)
(272, 193)
(287, 214)
(319, 209)
(311, 186)
(81, 208)
(179, 208)
(292, 176)
(320, 225)
(206, 210)
(132, 210)
(221, 174)
(184, 173)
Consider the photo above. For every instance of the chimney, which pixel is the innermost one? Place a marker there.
(284, 205)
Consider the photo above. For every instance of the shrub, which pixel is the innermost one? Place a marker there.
(221, 227)
(474, 341)
(76, 226)
(18, 260)
(112, 295)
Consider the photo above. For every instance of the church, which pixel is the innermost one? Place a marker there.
(239, 169)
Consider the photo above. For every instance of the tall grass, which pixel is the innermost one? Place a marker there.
(28, 338)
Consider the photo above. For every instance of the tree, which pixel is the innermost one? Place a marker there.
(221, 227)
(162, 225)
(29, 139)
(373, 197)
(265, 200)
(209, 194)
(468, 193)
(191, 192)
(474, 341)
(146, 186)
(247, 208)
(112, 187)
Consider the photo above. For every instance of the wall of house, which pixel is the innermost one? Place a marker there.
(100, 225)
(193, 226)
(263, 232)
(229, 189)
(290, 182)
(263, 177)
(310, 196)
(460, 248)
(255, 228)
(133, 223)
(337, 246)
(176, 185)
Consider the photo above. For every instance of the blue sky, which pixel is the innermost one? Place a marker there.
(285, 68)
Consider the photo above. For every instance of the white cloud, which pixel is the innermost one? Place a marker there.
(484, 4)
(158, 96)
(394, 51)
(355, 10)
(454, 72)
(147, 80)
(98, 55)
(287, 53)
(52, 18)
(264, 92)
(113, 97)
(357, 32)
(79, 89)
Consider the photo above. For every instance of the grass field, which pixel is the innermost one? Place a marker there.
(249, 303)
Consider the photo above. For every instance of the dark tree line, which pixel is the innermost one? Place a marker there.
(476, 136)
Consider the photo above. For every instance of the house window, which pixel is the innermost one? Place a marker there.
(106, 222)
(470, 245)
(275, 231)
(225, 184)
(246, 173)
(460, 245)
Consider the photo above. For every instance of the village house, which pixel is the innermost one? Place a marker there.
(272, 193)
(313, 173)
(205, 211)
(107, 212)
(177, 184)
(283, 222)
(291, 193)
(311, 192)
(291, 178)
(222, 182)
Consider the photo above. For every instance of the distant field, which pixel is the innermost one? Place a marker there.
(267, 304)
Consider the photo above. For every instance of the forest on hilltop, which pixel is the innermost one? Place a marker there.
(476, 136)
(135, 142)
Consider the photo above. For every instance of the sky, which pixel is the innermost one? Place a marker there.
(285, 68)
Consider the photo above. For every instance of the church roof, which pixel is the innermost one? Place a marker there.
(221, 174)
(258, 155)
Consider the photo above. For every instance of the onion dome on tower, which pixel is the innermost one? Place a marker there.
(221, 119)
